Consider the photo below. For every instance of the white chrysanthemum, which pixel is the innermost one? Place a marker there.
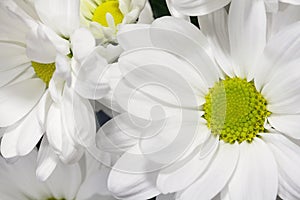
(180, 8)
(84, 181)
(225, 111)
(104, 16)
(50, 68)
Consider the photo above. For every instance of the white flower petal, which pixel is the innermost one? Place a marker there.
(89, 82)
(12, 55)
(10, 75)
(46, 160)
(281, 51)
(119, 134)
(218, 173)
(39, 48)
(163, 75)
(94, 184)
(287, 124)
(166, 141)
(287, 156)
(61, 15)
(186, 170)
(17, 100)
(199, 7)
(286, 15)
(190, 44)
(256, 172)
(131, 36)
(146, 15)
(18, 179)
(12, 28)
(65, 181)
(78, 118)
(247, 28)
(83, 43)
(215, 27)
(128, 185)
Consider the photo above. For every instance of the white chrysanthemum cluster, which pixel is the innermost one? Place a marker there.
(99, 101)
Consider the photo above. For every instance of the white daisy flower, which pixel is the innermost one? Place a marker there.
(84, 181)
(102, 17)
(230, 114)
(181, 8)
(49, 68)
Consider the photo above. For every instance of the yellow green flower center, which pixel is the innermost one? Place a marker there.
(44, 71)
(235, 110)
(111, 7)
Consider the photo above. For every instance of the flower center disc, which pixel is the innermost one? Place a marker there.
(44, 71)
(111, 7)
(235, 110)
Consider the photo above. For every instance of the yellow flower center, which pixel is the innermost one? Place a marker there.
(111, 7)
(235, 110)
(44, 71)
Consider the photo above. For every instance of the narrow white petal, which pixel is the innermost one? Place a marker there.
(200, 7)
(287, 124)
(128, 185)
(12, 55)
(131, 36)
(186, 170)
(247, 33)
(218, 173)
(61, 15)
(46, 160)
(83, 43)
(65, 181)
(190, 44)
(287, 156)
(17, 100)
(281, 51)
(90, 82)
(215, 27)
(39, 48)
(256, 172)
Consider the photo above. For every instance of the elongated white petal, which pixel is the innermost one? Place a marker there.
(128, 185)
(65, 181)
(46, 160)
(256, 172)
(61, 15)
(131, 36)
(247, 33)
(39, 48)
(186, 170)
(215, 27)
(83, 43)
(287, 124)
(12, 56)
(90, 82)
(78, 118)
(198, 7)
(218, 173)
(163, 76)
(190, 44)
(17, 100)
(282, 50)
(287, 156)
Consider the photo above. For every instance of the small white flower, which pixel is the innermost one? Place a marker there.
(50, 68)
(103, 16)
(224, 112)
(84, 181)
